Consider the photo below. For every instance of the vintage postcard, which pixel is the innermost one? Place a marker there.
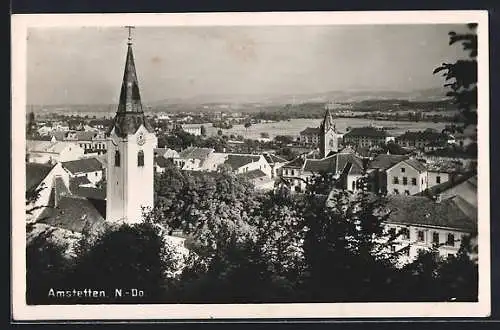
(250, 165)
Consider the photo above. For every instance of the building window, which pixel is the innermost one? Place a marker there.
(117, 158)
(293, 172)
(405, 233)
(435, 238)
(353, 185)
(407, 192)
(450, 255)
(396, 192)
(405, 180)
(421, 236)
(414, 181)
(438, 179)
(140, 158)
(402, 169)
(393, 248)
(395, 180)
(451, 240)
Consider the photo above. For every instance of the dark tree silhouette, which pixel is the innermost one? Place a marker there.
(46, 268)
(127, 257)
(461, 76)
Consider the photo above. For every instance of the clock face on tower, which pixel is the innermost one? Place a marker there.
(141, 139)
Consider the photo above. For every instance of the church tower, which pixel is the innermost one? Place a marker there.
(130, 143)
(328, 137)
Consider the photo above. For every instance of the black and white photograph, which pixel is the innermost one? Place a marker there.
(250, 165)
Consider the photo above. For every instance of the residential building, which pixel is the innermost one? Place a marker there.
(292, 176)
(310, 135)
(243, 163)
(441, 172)
(464, 186)
(425, 140)
(345, 167)
(166, 153)
(366, 137)
(52, 152)
(377, 171)
(275, 162)
(407, 177)
(194, 159)
(192, 130)
(259, 179)
(424, 223)
(41, 179)
(89, 168)
(90, 141)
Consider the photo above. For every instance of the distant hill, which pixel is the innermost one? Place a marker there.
(246, 102)
(431, 94)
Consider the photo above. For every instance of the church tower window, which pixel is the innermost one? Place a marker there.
(140, 158)
(117, 158)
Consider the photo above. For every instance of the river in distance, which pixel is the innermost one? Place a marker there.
(293, 127)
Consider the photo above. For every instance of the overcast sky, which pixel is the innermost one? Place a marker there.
(85, 65)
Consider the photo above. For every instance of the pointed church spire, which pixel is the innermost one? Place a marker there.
(130, 98)
(129, 116)
(327, 122)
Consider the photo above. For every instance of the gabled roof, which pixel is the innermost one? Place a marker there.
(419, 210)
(236, 161)
(271, 159)
(89, 192)
(367, 131)
(384, 161)
(413, 163)
(311, 131)
(48, 146)
(74, 213)
(83, 165)
(254, 174)
(78, 181)
(297, 162)
(465, 184)
(328, 164)
(195, 153)
(335, 164)
(35, 173)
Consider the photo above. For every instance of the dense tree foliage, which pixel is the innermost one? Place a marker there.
(321, 246)
(461, 76)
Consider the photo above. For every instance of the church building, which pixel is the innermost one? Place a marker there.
(328, 136)
(130, 144)
(67, 202)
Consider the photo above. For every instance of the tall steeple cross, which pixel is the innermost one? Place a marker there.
(129, 27)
